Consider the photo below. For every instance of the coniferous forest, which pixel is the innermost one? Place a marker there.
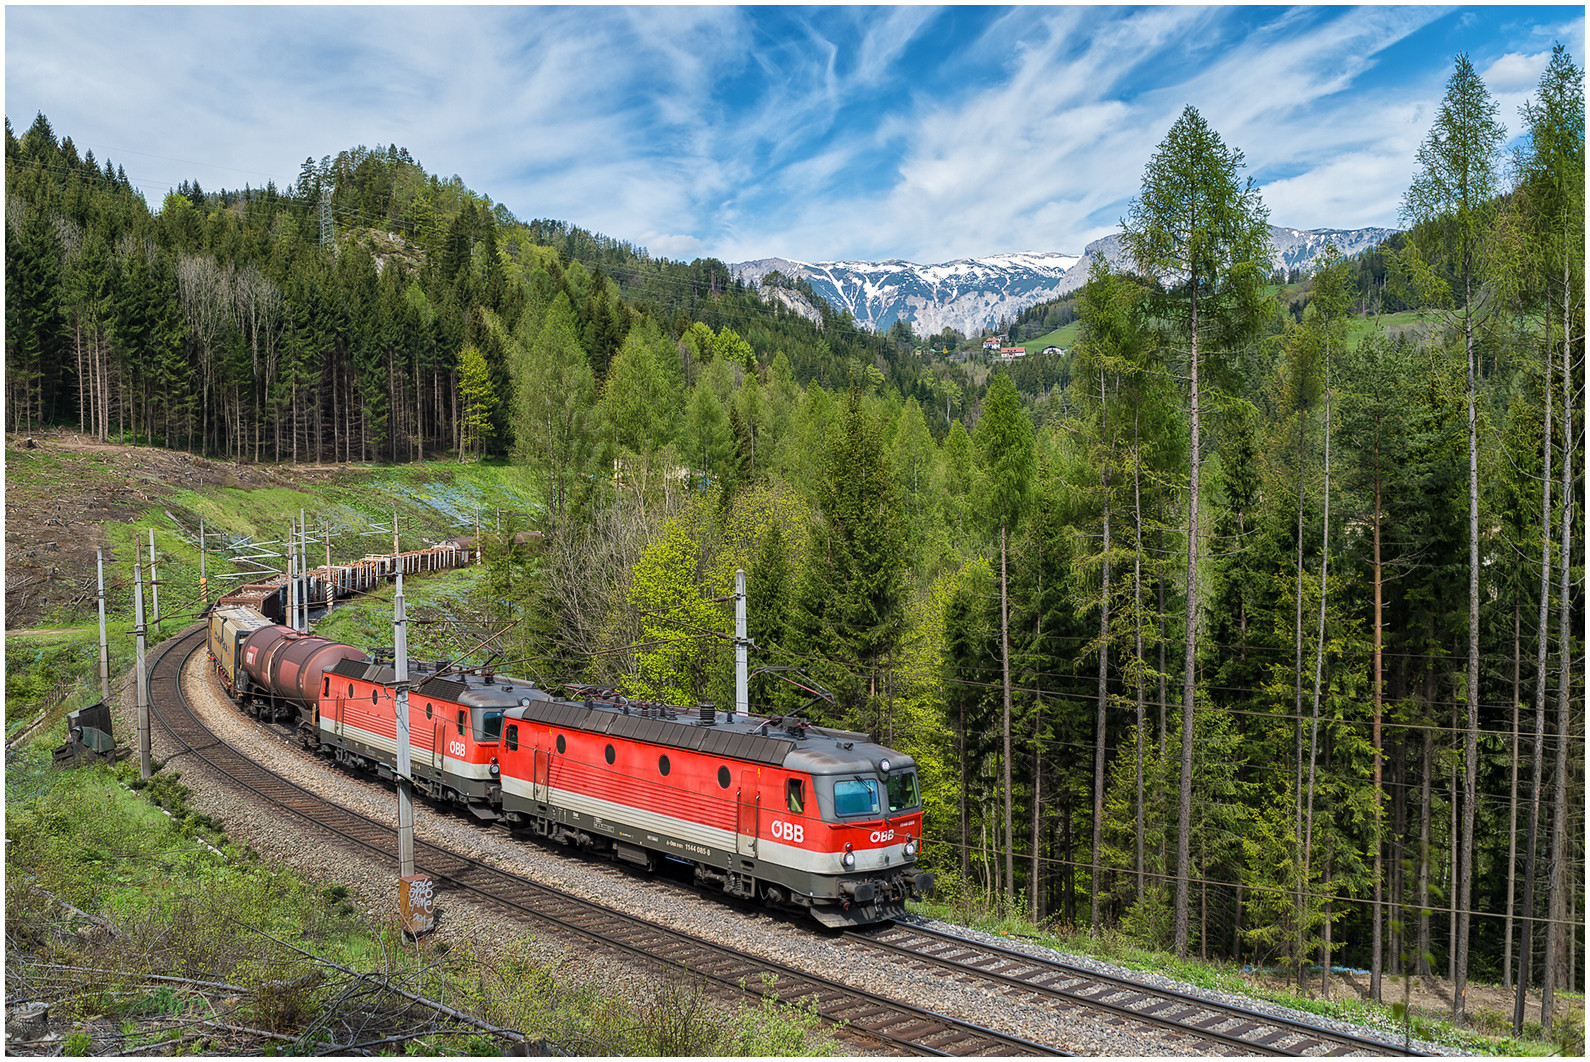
(1250, 627)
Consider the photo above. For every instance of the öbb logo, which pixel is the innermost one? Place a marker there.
(880, 836)
(788, 831)
(456, 748)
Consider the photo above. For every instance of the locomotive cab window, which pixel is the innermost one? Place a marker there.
(857, 796)
(460, 722)
(513, 738)
(795, 795)
(903, 792)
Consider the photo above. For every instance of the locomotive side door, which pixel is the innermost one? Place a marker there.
(747, 801)
(453, 734)
(541, 775)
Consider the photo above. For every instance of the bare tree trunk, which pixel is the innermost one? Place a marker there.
(1190, 654)
(1453, 857)
(1376, 956)
(1425, 795)
(77, 348)
(1137, 593)
(1100, 714)
(1037, 794)
(1300, 873)
(1465, 854)
(1037, 768)
(1512, 804)
(1527, 912)
(1325, 942)
(1319, 645)
(1004, 661)
(1557, 907)
(960, 792)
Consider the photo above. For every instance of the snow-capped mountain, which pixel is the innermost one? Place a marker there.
(964, 295)
(1290, 249)
(971, 294)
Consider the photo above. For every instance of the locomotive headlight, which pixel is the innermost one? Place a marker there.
(494, 768)
(910, 846)
(883, 765)
(849, 858)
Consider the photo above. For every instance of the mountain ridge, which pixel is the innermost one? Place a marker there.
(970, 295)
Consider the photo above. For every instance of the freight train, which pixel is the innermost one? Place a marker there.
(766, 808)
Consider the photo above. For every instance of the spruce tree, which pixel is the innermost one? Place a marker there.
(1202, 235)
(1004, 439)
(1450, 208)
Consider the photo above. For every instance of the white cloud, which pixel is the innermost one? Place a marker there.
(681, 246)
(1515, 72)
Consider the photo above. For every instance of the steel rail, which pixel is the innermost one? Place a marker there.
(1226, 1024)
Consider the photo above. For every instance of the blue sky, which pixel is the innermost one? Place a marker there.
(813, 133)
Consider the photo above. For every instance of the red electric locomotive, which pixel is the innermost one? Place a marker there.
(763, 808)
(454, 723)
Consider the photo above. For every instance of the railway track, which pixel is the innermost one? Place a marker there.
(897, 1027)
(1204, 1025)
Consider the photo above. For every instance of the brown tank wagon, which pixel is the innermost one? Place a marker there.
(287, 667)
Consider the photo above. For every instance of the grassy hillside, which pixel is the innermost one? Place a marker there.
(65, 501)
(1062, 337)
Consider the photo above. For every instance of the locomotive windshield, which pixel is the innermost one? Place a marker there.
(488, 726)
(903, 793)
(856, 796)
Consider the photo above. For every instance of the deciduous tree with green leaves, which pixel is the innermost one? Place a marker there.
(553, 391)
(480, 400)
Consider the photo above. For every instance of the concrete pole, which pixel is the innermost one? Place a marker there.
(400, 652)
(479, 553)
(154, 580)
(292, 586)
(204, 582)
(331, 589)
(144, 770)
(303, 566)
(104, 646)
(742, 683)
